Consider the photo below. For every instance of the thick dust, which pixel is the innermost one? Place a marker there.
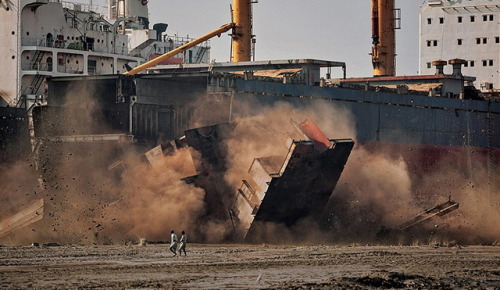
(269, 133)
(154, 199)
(90, 201)
(19, 185)
(477, 219)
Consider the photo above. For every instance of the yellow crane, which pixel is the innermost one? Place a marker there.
(385, 19)
(241, 46)
(242, 38)
(180, 49)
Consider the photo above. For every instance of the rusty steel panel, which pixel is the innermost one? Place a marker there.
(321, 143)
(438, 210)
(304, 186)
(154, 154)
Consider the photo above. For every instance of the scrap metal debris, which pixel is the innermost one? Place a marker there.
(438, 210)
(33, 212)
(299, 188)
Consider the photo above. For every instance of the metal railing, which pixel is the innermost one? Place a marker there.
(42, 42)
(33, 41)
(38, 66)
(180, 40)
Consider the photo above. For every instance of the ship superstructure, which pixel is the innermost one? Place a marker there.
(43, 38)
(467, 30)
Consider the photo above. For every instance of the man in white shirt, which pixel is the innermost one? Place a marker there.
(173, 243)
(182, 247)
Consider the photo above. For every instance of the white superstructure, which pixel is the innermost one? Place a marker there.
(463, 29)
(41, 38)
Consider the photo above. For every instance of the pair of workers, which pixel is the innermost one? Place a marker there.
(174, 241)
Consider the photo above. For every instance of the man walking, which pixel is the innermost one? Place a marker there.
(173, 243)
(183, 244)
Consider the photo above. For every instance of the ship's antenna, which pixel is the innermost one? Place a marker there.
(231, 10)
(232, 33)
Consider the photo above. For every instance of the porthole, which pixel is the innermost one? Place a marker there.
(67, 61)
(8, 8)
(13, 57)
(28, 57)
(27, 33)
(77, 62)
(13, 33)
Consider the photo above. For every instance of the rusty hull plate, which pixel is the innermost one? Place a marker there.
(304, 186)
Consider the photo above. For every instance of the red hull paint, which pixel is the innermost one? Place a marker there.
(475, 163)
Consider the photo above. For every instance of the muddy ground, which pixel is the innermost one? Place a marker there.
(250, 266)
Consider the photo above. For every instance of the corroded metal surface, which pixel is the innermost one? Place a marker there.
(303, 187)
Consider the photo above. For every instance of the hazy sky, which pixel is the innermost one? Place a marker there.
(338, 30)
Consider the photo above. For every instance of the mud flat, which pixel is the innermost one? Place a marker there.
(250, 266)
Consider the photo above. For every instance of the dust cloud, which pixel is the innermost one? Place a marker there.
(155, 200)
(18, 186)
(373, 190)
(376, 192)
(106, 193)
(476, 220)
(269, 133)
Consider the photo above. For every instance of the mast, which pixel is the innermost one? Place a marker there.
(384, 35)
(241, 46)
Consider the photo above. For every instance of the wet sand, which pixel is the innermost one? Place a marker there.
(250, 266)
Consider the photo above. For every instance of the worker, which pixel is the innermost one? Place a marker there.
(173, 243)
(183, 244)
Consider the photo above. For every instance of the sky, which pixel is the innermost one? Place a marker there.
(336, 30)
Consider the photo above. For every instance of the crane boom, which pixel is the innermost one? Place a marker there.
(180, 49)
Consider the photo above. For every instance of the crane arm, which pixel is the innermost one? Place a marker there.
(180, 49)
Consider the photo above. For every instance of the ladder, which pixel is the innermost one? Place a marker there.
(36, 83)
(37, 58)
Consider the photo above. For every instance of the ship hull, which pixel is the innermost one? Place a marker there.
(430, 133)
(14, 138)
